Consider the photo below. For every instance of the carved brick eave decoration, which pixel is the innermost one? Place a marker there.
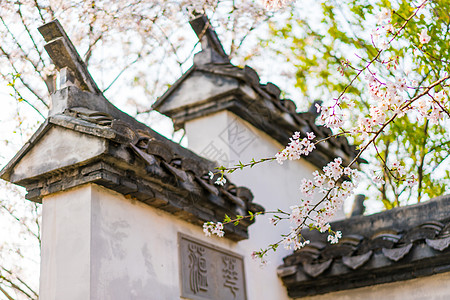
(239, 90)
(395, 245)
(86, 139)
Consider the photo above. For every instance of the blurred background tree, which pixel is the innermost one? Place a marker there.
(321, 47)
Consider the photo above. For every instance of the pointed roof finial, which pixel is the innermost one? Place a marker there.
(211, 45)
(64, 55)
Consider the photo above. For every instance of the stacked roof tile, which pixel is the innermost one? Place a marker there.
(399, 244)
(133, 160)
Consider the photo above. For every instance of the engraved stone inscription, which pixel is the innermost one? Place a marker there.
(197, 265)
(208, 272)
(230, 274)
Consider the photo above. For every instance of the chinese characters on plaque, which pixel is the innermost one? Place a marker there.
(208, 272)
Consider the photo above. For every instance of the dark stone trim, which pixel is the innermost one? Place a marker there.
(136, 161)
(195, 208)
(156, 172)
(420, 262)
(142, 165)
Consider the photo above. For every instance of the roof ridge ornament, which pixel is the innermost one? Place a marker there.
(66, 58)
(212, 49)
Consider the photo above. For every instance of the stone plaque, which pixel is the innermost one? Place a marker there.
(209, 273)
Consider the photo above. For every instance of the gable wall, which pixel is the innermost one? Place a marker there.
(98, 244)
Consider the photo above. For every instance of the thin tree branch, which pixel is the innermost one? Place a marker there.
(121, 72)
(36, 4)
(20, 221)
(19, 11)
(5, 293)
(21, 281)
(15, 286)
(8, 56)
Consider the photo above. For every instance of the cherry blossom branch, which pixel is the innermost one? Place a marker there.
(210, 228)
(121, 72)
(375, 58)
(335, 181)
(19, 45)
(404, 107)
(440, 105)
(28, 229)
(38, 7)
(222, 170)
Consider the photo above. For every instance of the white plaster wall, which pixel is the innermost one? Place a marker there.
(434, 287)
(98, 244)
(135, 254)
(66, 245)
(134, 250)
(273, 185)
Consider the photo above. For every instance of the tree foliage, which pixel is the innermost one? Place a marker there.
(329, 53)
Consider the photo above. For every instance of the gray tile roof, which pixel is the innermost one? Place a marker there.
(131, 158)
(398, 244)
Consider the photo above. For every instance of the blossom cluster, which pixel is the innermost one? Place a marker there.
(259, 255)
(387, 96)
(296, 147)
(211, 228)
(330, 117)
(399, 173)
(219, 181)
(294, 241)
(433, 108)
(328, 183)
(424, 38)
(385, 27)
(334, 238)
(396, 166)
(318, 215)
(275, 4)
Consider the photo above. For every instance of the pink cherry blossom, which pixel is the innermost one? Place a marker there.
(424, 37)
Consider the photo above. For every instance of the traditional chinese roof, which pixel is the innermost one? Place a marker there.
(213, 84)
(399, 244)
(88, 140)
